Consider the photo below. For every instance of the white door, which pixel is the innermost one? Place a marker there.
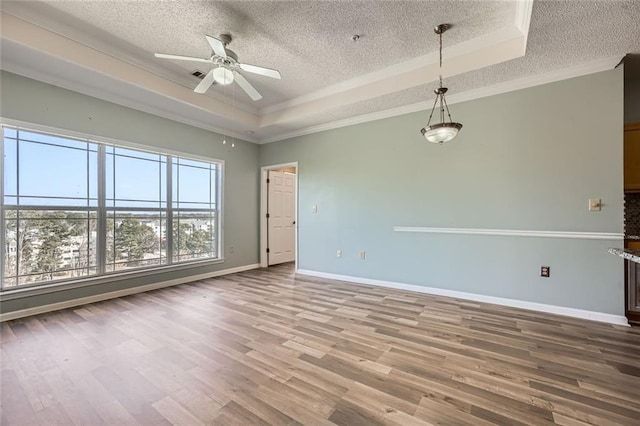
(281, 217)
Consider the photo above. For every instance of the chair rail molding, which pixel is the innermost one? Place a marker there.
(513, 233)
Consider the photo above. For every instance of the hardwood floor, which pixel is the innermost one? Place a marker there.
(268, 347)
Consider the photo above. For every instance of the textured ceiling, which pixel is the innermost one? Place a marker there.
(562, 35)
(310, 43)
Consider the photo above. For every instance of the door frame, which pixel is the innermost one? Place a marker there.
(263, 211)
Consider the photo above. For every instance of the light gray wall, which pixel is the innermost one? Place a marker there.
(526, 160)
(632, 88)
(35, 102)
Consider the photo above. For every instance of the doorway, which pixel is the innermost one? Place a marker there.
(279, 214)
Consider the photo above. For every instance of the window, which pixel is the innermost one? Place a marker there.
(136, 208)
(73, 208)
(194, 209)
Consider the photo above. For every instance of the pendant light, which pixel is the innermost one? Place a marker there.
(443, 131)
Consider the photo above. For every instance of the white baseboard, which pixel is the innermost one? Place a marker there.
(119, 293)
(533, 306)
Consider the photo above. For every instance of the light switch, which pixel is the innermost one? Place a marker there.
(314, 209)
(595, 204)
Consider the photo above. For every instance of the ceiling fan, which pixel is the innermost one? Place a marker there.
(226, 65)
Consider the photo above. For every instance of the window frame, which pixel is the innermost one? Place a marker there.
(102, 211)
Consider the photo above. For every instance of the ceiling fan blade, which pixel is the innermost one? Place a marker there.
(206, 82)
(247, 87)
(267, 72)
(182, 58)
(217, 46)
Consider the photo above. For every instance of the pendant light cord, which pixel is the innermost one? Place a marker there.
(443, 101)
(433, 108)
(440, 59)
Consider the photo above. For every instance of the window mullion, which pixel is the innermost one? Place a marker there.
(101, 255)
(169, 220)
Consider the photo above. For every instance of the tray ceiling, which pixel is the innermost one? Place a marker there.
(105, 49)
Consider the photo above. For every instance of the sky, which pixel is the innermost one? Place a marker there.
(56, 167)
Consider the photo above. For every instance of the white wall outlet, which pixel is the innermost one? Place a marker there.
(314, 209)
(339, 253)
(363, 254)
(595, 204)
(231, 249)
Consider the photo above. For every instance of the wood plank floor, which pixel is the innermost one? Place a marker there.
(268, 347)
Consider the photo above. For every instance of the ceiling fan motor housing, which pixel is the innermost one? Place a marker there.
(231, 54)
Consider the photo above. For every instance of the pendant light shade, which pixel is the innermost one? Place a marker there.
(445, 130)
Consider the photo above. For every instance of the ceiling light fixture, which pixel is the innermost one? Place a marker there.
(223, 75)
(443, 131)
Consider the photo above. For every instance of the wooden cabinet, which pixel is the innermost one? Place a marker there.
(632, 291)
(632, 157)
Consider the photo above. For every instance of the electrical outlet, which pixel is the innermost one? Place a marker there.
(339, 253)
(314, 209)
(545, 271)
(231, 249)
(362, 254)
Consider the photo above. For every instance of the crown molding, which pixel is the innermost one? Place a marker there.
(51, 19)
(158, 96)
(430, 60)
(478, 53)
(524, 9)
(38, 46)
(509, 86)
(76, 66)
(100, 92)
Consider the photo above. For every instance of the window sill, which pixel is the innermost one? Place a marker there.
(18, 293)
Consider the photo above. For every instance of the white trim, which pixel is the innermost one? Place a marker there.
(514, 233)
(483, 92)
(117, 75)
(263, 211)
(181, 114)
(523, 18)
(130, 54)
(264, 173)
(122, 75)
(522, 304)
(397, 71)
(119, 293)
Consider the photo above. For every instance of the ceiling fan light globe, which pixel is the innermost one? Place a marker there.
(442, 132)
(223, 76)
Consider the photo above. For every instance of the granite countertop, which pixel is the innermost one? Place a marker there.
(629, 254)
